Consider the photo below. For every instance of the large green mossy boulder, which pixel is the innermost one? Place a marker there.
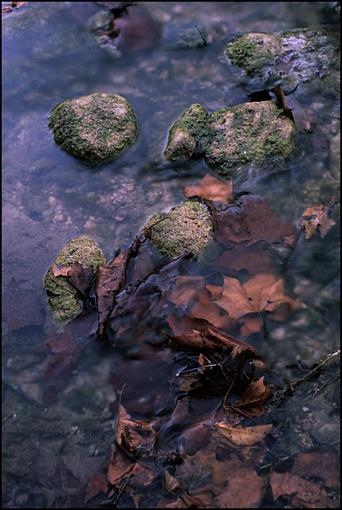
(187, 228)
(94, 128)
(63, 298)
(288, 58)
(250, 132)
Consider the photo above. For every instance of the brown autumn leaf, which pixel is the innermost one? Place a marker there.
(262, 293)
(201, 500)
(251, 402)
(135, 437)
(190, 292)
(109, 281)
(211, 189)
(201, 335)
(246, 488)
(96, 485)
(318, 464)
(171, 484)
(254, 259)
(8, 7)
(251, 221)
(243, 436)
(80, 277)
(316, 219)
(301, 493)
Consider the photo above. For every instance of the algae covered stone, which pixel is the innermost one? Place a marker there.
(63, 298)
(288, 58)
(249, 132)
(188, 134)
(187, 228)
(94, 128)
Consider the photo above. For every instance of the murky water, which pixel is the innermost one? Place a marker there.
(52, 446)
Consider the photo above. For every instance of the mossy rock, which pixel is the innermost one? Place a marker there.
(187, 228)
(250, 132)
(289, 58)
(254, 50)
(63, 298)
(94, 128)
(188, 134)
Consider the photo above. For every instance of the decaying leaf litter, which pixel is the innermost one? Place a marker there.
(197, 329)
(197, 317)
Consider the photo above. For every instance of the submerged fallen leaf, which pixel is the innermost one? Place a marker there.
(254, 259)
(318, 464)
(302, 117)
(316, 219)
(96, 485)
(212, 189)
(253, 398)
(246, 488)
(302, 493)
(201, 335)
(135, 437)
(251, 221)
(246, 436)
(109, 281)
(171, 484)
(262, 293)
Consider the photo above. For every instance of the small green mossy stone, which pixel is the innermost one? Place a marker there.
(187, 228)
(187, 136)
(94, 128)
(253, 50)
(250, 132)
(63, 298)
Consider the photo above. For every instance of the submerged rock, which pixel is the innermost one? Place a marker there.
(286, 58)
(126, 28)
(250, 132)
(188, 134)
(94, 128)
(187, 228)
(63, 298)
(186, 35)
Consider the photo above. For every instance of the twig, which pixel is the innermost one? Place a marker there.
(293, 385)
(203, 38)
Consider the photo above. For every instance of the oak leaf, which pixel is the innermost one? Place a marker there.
(211, 189)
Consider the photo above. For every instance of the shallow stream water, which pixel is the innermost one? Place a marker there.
(53, 445)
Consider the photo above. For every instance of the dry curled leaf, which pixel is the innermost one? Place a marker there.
(211, 189)
(253, 398)
(301, 493)
(243, 436)
(316, 219)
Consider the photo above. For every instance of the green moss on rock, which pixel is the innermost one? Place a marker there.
(288, 58)
(187, 136)
(94, 128)
(63, 298)
(187, 228)
(253, 50)
(248, 132)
